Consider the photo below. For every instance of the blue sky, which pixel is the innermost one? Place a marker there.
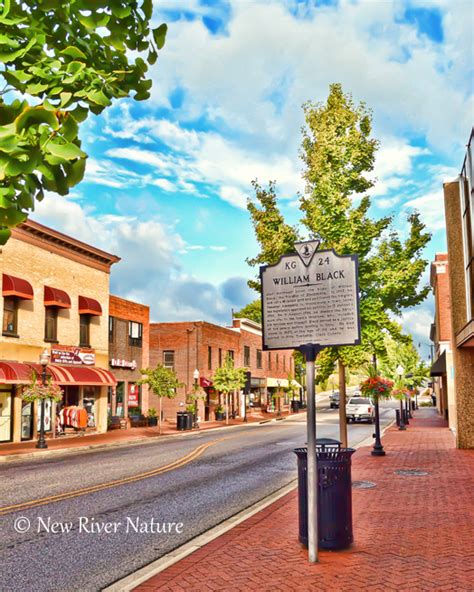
(167, 180)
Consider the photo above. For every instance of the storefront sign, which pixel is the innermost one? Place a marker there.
(133, 395)
(310, 297)
(123, 364)
(69, 354)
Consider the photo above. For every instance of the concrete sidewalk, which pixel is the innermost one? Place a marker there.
(71, 443)
(411, 532)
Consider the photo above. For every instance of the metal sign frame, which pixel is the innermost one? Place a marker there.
(357, 341)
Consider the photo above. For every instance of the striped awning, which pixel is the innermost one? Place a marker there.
(13, 286)
(89, 306)
(56, 297)
(23, 373)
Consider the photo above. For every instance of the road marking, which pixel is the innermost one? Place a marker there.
(193, 455)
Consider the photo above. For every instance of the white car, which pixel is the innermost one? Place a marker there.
(360, 409)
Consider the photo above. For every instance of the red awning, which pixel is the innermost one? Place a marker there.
(81, 375)
(22, 373)
(205, 382)
(89, 306)
(15, 373)
(13, 286)
(56, 297)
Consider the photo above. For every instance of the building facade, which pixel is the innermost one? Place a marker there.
(194, 350)
(441, 335)
(55, 296)
(129, 336)
(459, 212)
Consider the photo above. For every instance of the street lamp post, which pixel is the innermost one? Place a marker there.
(195, 414)
(44, 361)
(400, 372)
(377, 448)
(278, 399)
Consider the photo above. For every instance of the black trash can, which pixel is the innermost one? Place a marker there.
(334, 494)
(397, 416)
(181, 421)
(189, 420)
(295, 406)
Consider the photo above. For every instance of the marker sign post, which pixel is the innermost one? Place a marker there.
(310, 300)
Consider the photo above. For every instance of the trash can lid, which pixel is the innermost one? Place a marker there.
(327, 441)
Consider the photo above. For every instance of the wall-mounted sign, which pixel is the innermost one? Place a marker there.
(115, 363)
(310, 297)
(133, 395)
(70, 354)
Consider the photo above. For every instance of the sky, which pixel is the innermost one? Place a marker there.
(168, 179)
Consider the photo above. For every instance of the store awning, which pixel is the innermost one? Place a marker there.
(439, 367)
(296, 383)
(277, 382)
(56, 297)
(15, 373)
(205, 382)
(23, 373)
(89, 306)
(81, 375)
(13, 286)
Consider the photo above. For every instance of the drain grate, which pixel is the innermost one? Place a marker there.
(411, 472)
(363, 484)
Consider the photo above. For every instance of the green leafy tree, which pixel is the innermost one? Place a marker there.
(404, 354)
(252, 311)
(228, 379)
(163, 382)
(70, 58)
(339, 154)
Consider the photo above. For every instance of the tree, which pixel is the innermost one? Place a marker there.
(163, 382)
(228, 379)
(339, 153)
(404, 354)
(252, 311)
(70, 58)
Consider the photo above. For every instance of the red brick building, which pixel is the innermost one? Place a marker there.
(441, 334)
(129, 337)
(189, 346)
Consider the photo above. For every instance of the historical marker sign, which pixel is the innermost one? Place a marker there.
(310, 297)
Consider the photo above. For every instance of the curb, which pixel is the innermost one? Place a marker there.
(130, 582)
(145, 573)
(21, 456)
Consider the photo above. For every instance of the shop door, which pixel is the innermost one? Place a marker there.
(26, 421)
(6, 423)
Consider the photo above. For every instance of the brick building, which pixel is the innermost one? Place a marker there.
(56, 298)
(459, 212)
(189, 346)
(129, 336)
(441, 335)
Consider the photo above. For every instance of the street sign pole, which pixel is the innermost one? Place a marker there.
(310, 352)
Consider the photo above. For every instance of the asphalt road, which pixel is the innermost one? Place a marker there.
(189, 488)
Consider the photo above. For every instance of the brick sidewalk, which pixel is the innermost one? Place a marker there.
(110, 438)
(411, 533)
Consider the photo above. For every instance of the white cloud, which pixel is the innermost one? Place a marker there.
(150, 270)
(431, 208)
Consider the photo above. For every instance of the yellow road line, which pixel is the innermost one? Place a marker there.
(193, 455)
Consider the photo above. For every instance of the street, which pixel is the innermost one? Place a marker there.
(185, 485)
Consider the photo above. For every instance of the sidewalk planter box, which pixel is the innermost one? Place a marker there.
(334, 494)
(152, 422)
(220, 415)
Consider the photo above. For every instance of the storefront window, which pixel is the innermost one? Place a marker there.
(89, 402)
(5, 415)
(119, 398)
(10, 316)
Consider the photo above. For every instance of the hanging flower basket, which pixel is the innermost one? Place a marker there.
(399, 393)
(376, 387)
(36, 391)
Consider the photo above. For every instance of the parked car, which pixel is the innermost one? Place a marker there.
(334, 400)
(360, 409)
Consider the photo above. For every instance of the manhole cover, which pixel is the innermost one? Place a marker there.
(363, 484)
(411, 472)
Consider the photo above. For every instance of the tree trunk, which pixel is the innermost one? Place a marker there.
(227, 408)
(159, 417)
(342, 406)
